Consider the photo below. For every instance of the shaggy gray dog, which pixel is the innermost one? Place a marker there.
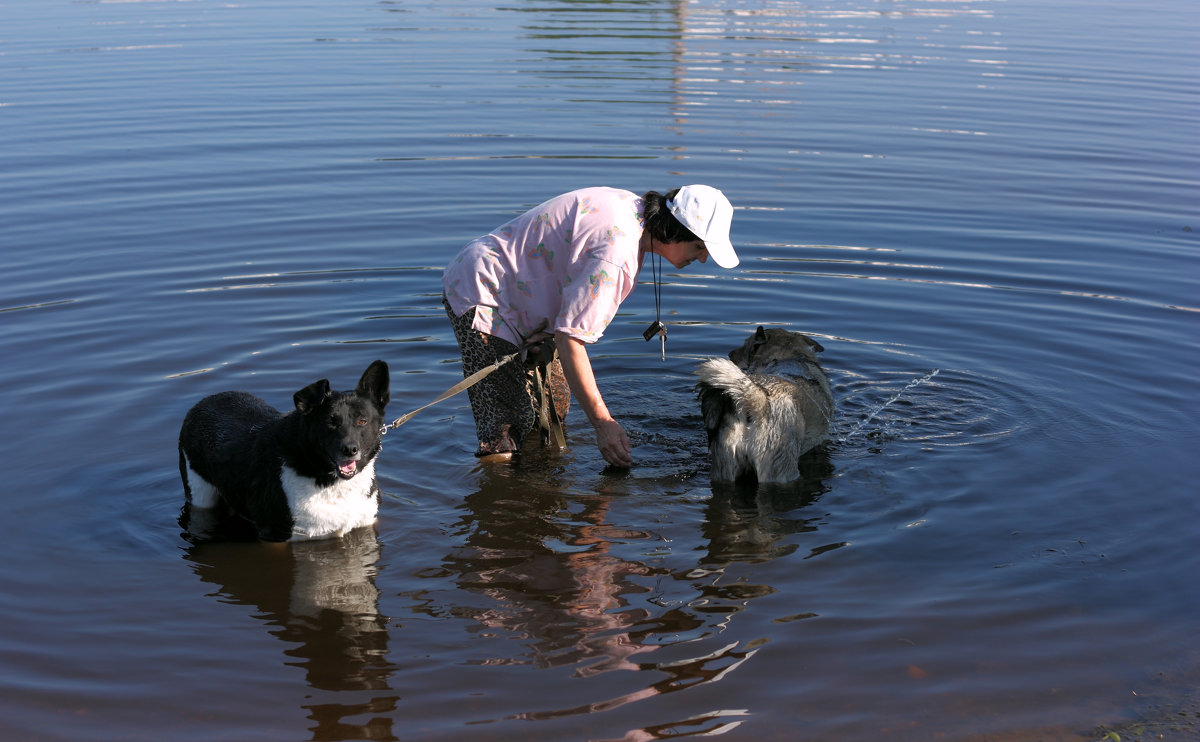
(765, 407)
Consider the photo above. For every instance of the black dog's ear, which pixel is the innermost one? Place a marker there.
(375, 384)
(312, 396)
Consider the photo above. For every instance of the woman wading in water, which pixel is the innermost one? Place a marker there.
(560, 271)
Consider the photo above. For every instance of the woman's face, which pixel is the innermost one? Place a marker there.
(681, 254)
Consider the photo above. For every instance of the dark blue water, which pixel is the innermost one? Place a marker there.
(983, 209)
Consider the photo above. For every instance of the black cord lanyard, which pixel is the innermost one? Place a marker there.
(656, 271)
(658, 328)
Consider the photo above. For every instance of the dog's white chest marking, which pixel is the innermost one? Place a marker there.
(329, 511)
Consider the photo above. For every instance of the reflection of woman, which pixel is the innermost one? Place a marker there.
(561, 270)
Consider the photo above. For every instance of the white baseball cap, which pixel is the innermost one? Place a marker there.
(707, 213)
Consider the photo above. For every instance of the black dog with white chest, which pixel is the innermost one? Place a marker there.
(306, 474)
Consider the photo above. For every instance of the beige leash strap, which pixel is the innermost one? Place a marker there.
(466, 383)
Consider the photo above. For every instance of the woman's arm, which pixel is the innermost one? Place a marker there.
(610, 437)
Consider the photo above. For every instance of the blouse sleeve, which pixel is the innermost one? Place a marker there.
(590, 298)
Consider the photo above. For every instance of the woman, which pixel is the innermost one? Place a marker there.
(561, 270)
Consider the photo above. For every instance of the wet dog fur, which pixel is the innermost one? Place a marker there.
(765, 406)
(306, 474)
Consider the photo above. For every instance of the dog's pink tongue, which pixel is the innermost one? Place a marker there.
(348, 468)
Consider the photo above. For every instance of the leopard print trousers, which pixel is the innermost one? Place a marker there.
(504, 403)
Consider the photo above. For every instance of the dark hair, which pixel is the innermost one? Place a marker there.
(659, 221)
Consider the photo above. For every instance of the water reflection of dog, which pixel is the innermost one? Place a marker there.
(320, 598)
(751, 522)
(765, 407)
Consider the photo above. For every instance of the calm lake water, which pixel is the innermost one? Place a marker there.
(984, 209)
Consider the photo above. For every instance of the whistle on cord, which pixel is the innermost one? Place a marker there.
(659, 329)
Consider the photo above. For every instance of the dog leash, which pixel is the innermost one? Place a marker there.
(466, 383)
(549, 421)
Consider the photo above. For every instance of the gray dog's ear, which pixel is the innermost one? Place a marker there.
(760, 339)
(814, 344)
(312, 396)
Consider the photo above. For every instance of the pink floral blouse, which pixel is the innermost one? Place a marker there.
(565, 265)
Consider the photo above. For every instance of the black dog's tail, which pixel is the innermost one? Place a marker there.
(187, 489)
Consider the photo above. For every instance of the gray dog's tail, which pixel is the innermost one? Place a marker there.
(724, 388)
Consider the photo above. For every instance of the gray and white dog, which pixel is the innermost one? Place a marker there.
(765, 407)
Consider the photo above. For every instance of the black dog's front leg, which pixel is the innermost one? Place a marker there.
(270, 513)
(274, 534)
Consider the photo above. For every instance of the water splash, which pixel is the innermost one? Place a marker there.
(875, 412)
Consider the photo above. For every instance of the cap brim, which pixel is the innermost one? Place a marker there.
(722, 253)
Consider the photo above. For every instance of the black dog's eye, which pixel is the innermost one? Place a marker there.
(361, 421)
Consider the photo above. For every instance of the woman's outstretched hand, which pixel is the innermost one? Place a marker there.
(610, 436)
(613, 443)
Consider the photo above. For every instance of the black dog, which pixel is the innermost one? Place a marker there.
(307, 474)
